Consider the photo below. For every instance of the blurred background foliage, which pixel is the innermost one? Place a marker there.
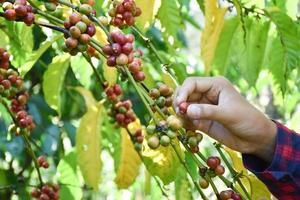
(255, 48)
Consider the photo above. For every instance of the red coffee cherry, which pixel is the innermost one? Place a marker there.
(74, 18)
(183, 107)
(225, 195)
(107, 49)
(10, 14)
(219, 170)
(91, 30)
(236, 196)
(111, 61)
(20, 10)
(117, 90)
(213, 162)
(71, 43)
(139, 76)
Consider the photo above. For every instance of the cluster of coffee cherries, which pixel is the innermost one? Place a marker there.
(230, 195)
(121, 52)
(80, 30)
(42, 162)
(192, 139)
(214, 164)
(18, 11)
(123, 13)
(11, 87)
(138, 139)
(162, 95)
(163, 132)
(46, 192)
(120, 111)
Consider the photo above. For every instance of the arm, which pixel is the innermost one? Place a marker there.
(218, 109)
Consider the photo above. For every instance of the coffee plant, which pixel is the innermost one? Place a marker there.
(87, 88)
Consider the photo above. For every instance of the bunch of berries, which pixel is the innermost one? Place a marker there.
(230, 195)
(192, 139)
(42, 162)
(214, 163)
(81, 29)
(113, 92)
(18, 11)
(11, 87)
(138, 139)
(162, 95)
(163, 132)
(124, 13)
(47, 192)
(121, 52)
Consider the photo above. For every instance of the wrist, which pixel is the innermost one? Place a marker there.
(267, 143)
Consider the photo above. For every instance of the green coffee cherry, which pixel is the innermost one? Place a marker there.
(165, 140)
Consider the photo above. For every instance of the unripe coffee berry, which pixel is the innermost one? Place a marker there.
(203, 183)
(82, 26)
(165, 140)
(75, 32)
(153, 142)
(71, 43)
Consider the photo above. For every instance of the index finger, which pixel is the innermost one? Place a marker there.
(191, 85)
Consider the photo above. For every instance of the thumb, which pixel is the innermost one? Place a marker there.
(204, 112)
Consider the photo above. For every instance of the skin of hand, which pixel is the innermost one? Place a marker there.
(219, 110)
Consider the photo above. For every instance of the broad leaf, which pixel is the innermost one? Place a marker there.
(110, 73)
(82, 70)
(223, 52)
(53, 80)
(214, 21)
(87, 95)
(169, 16)
(100, 36)
(67, 174)
(162, 162)
(88, 145)
(258, 189)
(169, 80)
(182, 186)
(149, 11)
(35, 56)
(129, 164)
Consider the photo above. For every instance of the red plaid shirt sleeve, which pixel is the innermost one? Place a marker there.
(282, 175)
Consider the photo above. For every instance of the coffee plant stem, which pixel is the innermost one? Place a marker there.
(189, 172)
(49, 17)
(141, 157)
(141, 95)
(52, 27)
(67, 4)
(232, 170)
(153, 49)
(31, 153)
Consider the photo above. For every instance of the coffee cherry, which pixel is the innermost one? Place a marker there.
(91, 30)
(127, 104)
(151, 129)
(29, 19)
(171, 134)
(213, 162)
(50, 6)
(84, 38)
(140, 139)
(134, 67)
(117, 90)
(203, 183)
(194, 149)
(41, 160)
(130, 21)
(236, 196)
(160, 102)
(199, 137)
(74, 18)
(117, 22)
(129, 6)
(165, 140)
(82, 47)
(111, 61)
(174, 123)
(138, 12)
(116, 48)
(22, 99)
(138, 146)
(85, 9)
(7, 5)
(122, 110)
(164, 90)
(120, 9)
(154, 93)
(225, 195)
(75, 32)
(10, 15)
(103, 20)
(82, 26)
(45, 165)
(71, 43)
(183, 107)
(139, 76)
(120, 118)
(20, 10)
(127, 48)
(44, 197)
(21, 115)
(219, 170)
(193, 141)
(6, 84)
(35, 193)
(118, 37)
(153, 142)
(122, 59)
(67, 24)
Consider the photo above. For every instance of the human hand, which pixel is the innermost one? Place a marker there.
(219, 110)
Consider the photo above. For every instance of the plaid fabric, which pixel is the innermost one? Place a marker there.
(282, 176)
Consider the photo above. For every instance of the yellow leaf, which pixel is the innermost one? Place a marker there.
(259, 190)
(88, 145)
(87, 95)
(110, 74)
(129, 164)
(236, 161)
(168, 79)
(214, 21)
(149, 9)
(100, 36)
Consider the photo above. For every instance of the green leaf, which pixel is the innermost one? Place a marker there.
(258, 189)
(82, 70)
(68, 177)
(162, 162)
(88, 143)
(169, 16)
(252, 57)
(182, 186)
(53, 80)
(222, 58)
(289, 37)
(129, 164)
(35, 56)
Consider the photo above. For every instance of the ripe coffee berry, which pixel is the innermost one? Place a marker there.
(213, 162)
(225, 195)
(42, 162)
(183, 107)
(219, 170)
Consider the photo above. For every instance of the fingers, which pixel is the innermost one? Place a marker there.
(205, 112)
(191, 85)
